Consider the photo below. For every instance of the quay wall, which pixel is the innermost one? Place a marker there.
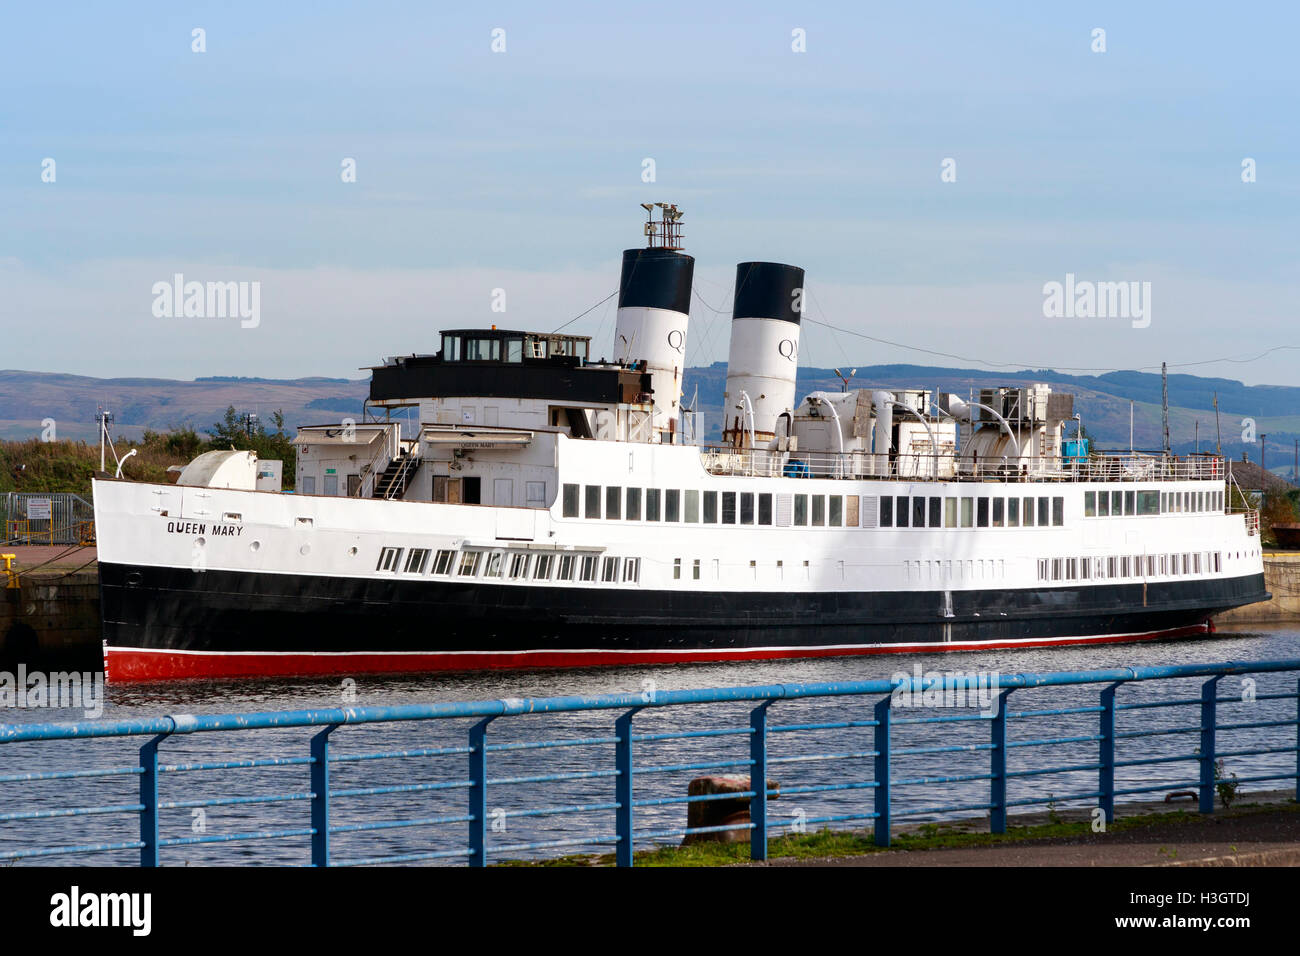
(1282, 578)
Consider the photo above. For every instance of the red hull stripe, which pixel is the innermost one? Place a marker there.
(124, 664)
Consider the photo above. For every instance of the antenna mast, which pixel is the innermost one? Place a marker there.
(666, 232)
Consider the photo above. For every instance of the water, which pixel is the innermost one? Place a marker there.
(1240, 644)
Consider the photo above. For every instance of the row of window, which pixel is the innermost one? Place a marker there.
(933, 511)
(1129, 566)
(1101, 504)
(513, 565)
(616, 503)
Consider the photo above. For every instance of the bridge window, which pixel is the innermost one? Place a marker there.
(918, 512)
(416, 560)
(1090, 504)
(609, 573)
(469, 562)
(481, 350)
(593, 501)
(587, 572)
(542, 567)
(570, 501)
(710, 507)
(388, 559)
(835, 511)
(968, 512)
(747, 507)
(565, 570)
(765, 508)
(1013, 512)
(999, 504)
(1148, 502)
(1103, 504)
(634, 504)
(1058, 511)
(692, 507)
(728, 507)
(613, 498)
(900, 511)
(652, 504)
(672, 505)
(982, 513)
(801, 509)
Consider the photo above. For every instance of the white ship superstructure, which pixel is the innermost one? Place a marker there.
(547, 512)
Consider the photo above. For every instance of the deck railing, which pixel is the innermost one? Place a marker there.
(913, 466)
(879, 710)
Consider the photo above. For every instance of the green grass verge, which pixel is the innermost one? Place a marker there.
(929, 836)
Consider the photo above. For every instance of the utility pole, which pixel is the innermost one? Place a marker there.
(1130, 426)
(1198, 436)
(1164, 402)
(1262, 436)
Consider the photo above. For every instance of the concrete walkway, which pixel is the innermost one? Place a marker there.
(62, 557)
(1247, 837)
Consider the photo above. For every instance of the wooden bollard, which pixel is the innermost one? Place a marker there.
(722, 812)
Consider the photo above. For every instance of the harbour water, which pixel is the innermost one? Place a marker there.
(1238, 644)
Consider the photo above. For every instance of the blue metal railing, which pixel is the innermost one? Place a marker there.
(875, 801)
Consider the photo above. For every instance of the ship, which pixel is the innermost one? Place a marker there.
(546, 508)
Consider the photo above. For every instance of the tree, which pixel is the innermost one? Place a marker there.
(233, 432)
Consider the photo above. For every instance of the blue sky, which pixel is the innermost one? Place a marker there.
(522, 170)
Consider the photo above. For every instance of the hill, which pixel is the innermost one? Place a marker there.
(29, 398)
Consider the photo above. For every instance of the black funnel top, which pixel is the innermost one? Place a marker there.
(766, 290)
(656, 279)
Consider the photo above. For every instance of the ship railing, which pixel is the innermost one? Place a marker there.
(383, 454)
(477, 781)
(921, 466)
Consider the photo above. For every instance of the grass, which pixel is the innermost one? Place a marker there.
(827, 843)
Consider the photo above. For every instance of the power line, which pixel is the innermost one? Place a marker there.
(592, 309)
(1037, 365)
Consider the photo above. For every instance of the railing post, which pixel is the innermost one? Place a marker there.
(623, 789)
(149, 797)
(320, 797)
(758, 781)
(1209, 720)
(478, 793)
(998, 767)
(882, 771)
(1106, 770)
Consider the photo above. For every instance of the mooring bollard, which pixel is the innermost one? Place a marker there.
(733, 812)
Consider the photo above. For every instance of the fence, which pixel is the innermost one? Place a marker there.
(880, 710)
(47, 518)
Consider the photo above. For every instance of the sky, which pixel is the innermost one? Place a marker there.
(521, 169)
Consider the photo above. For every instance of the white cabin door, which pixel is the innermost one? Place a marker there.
(503, 493)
